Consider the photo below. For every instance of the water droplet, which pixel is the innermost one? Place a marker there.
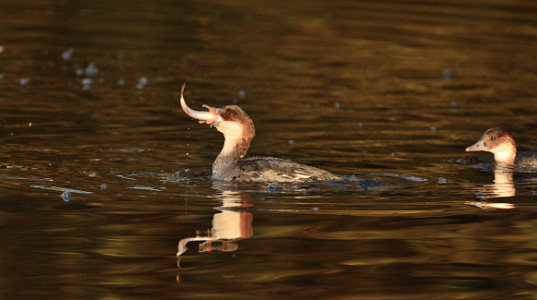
(142, 82)
(274, 187)
(25, 80)
(337, 105)
(121, 81)
(291, 142)
(454, 104)
(447, 74)
(86, 83)
(66, 196)
(91, 70)
(66, 55)
(442, 180)
(242, 93)
(103, 186)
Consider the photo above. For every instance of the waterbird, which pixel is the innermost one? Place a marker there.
(232, 165)
(501, 143)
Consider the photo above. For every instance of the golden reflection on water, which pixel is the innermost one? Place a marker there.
(229, 225)
(501, 187)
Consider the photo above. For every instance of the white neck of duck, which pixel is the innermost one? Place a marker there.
(505, 153)
(231, 151)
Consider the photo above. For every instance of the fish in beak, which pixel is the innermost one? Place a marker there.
(209, 117)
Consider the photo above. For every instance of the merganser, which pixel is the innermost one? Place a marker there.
(501, 143)
(231, 164)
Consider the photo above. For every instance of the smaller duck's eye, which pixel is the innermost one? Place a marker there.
(493, 138)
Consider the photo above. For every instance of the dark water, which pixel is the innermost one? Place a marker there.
(102, 176)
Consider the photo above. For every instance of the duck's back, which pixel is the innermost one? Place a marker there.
(527, 161)
(271, 169)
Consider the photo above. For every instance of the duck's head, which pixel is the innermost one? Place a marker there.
(230, 120)
(499, 142)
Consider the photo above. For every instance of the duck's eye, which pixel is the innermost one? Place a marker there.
(492, 138)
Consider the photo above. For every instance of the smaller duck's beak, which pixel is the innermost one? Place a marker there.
(478, 146)
(204, 117)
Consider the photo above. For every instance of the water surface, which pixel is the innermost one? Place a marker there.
(104, 180)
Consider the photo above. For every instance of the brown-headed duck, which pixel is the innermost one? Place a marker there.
(501, 143)
(232, 165)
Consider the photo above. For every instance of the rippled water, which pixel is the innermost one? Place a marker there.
(103, 179)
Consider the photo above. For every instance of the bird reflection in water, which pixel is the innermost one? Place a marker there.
(230, 224)
(501, 187)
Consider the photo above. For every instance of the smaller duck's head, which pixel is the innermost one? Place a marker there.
(499, 142)
(230, 120)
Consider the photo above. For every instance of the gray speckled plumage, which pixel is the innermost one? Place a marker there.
(271, 169)
(526, 161)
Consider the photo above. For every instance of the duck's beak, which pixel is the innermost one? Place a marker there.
(207, 117)
(478, 146)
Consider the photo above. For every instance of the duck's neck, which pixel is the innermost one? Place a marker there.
(228, 156)
(505, 154)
